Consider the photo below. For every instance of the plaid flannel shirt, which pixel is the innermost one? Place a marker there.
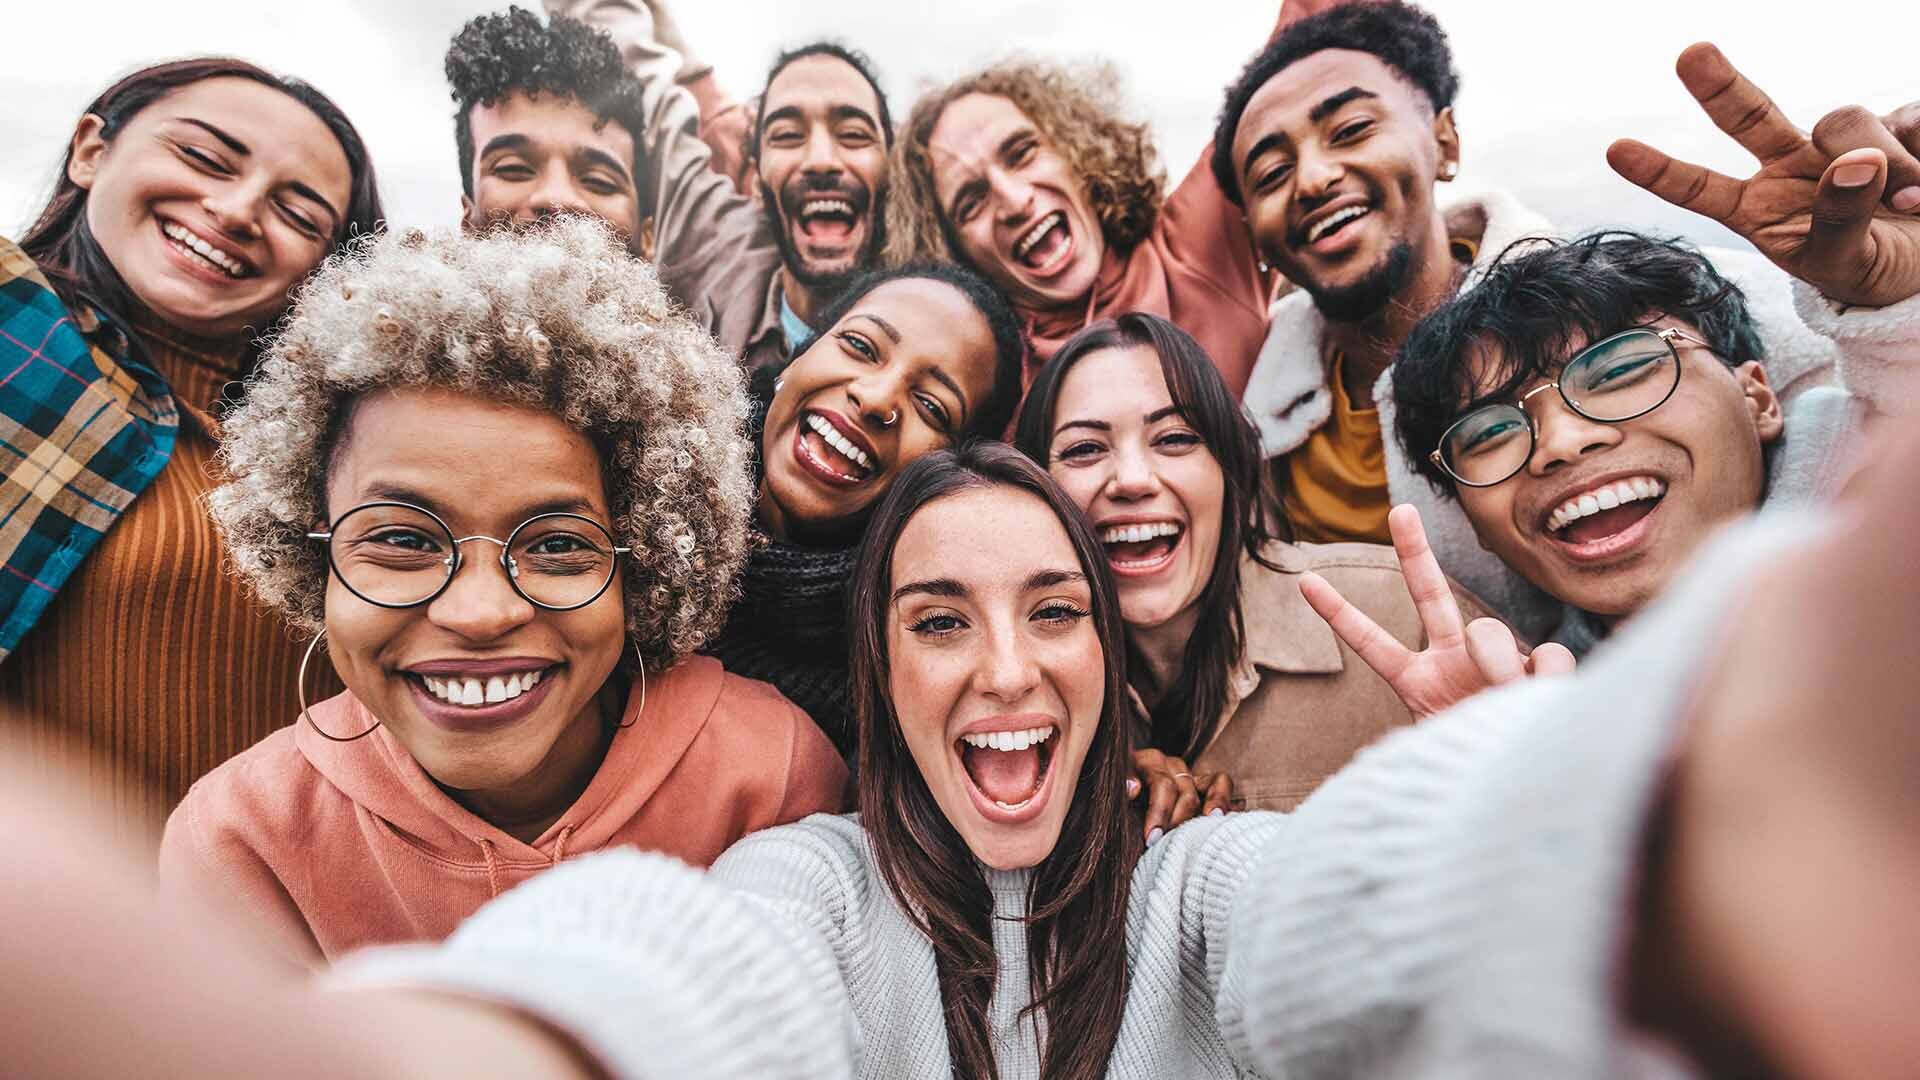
(82, 432)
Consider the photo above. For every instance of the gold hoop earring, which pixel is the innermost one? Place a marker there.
(300, 688)
(643, 688)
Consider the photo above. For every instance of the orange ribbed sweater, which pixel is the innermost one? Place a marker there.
(153, 656)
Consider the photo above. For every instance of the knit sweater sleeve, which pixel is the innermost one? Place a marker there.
(1455, 901)
(655, 969)
(1879, 348)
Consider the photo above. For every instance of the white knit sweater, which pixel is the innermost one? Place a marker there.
(1451, 904)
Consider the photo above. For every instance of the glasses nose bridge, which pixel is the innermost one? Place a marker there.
(506, 560)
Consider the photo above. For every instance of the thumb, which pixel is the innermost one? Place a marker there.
(1838, 244)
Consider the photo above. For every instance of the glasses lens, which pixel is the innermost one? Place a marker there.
(1621, 377)
(561, 560)
(1487, 445)
(391, 554)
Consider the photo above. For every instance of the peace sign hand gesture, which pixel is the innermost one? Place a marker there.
(1459, 661)
(1839, 209)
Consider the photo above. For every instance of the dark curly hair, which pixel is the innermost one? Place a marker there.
(990, 417)
(853, 58)
(1405, 38)
(1538, 300)
(496, 56)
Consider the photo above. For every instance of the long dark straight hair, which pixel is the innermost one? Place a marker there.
(63, 246)
(1077, 899)
(1184, 717)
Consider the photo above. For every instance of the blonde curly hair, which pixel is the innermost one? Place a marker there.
(1078, 109)
(558, 318)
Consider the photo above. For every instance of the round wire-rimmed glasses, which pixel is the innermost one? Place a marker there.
(398, 555)
(1616, 379)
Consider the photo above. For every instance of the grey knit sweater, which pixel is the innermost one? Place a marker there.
(1451, 904)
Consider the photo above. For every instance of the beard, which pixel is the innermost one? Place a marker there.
(780, 211)
(1367, 297)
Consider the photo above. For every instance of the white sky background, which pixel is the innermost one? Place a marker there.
(1545, 85)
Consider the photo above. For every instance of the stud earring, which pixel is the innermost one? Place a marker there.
(1448, 170)
(778, 382)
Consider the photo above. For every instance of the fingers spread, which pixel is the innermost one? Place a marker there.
(1432, 596)
(1854, 128)
(1682, 183)
(1838, 253)
(1736, 105)
(1377, 648)
(1552, 658)
(1494, 651)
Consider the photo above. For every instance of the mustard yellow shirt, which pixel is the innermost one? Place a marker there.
(1336, 482)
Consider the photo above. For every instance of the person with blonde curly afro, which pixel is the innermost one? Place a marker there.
(506, 484)
(1028, 172)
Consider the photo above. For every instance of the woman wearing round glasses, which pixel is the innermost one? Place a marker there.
(506, 488)
(1598, 407)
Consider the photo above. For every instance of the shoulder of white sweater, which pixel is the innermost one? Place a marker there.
(1455, 901)
(1877, 347)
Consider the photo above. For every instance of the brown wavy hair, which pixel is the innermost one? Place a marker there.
(1078, 109)
(1077, 896)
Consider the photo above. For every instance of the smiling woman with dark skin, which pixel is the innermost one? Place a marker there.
(193, 198)
(505, 485)
(911, 360)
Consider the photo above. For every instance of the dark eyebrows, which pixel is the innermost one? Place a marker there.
(509, 141)
(947, 381)
(232, 143)
(947, 587)
(384, 492)
(1153, 417)
(784, 112)
(854, 112)
(1266, 143)
(880, 322)
(1007, 144)
(1334, 102)
(592, 156)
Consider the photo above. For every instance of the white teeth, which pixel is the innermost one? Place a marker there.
(1008, 740)
(498, 688)
(1333, 222)
(828, 206)
(1040, 229)
(1618, 493)
(832, 437)
(1137, 534)
(193, 244)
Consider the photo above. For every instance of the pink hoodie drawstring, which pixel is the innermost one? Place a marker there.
(560, 845)
(493, 868)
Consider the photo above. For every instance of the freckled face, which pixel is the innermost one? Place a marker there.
(213, 202)
(484, 468)
(995, 669)
(1144, 476)
(1674, 474)
(1016, 206)
(538, 155)
(901, 375)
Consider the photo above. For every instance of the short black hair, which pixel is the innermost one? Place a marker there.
(853, 58)
(513, 52)
(1405, 38)
(989, 417)
(1537, 300)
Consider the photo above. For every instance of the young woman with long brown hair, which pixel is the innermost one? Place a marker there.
(194, 197)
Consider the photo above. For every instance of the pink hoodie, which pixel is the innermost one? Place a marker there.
(339, 845)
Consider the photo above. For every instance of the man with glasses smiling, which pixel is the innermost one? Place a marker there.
(1597, 407)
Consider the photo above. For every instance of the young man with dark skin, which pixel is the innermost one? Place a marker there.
(1333, 140)
(759, 261)
(547, 121)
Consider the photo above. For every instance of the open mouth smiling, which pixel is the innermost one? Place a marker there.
(476, 695)
(1140, 548)
(1008, 769)
(1605, 519)
(1326, 227)
(833, 451)
(829, 220)
(199, 251)
(1046, 245)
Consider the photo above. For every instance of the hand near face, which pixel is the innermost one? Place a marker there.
(1459, 661)
(1174, 794)
(1839, 209)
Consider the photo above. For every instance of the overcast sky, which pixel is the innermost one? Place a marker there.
(1545, 86)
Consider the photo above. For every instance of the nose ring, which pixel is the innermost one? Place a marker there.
(890, 418)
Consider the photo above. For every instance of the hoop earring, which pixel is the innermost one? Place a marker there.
(643, 688)
(300, 688)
